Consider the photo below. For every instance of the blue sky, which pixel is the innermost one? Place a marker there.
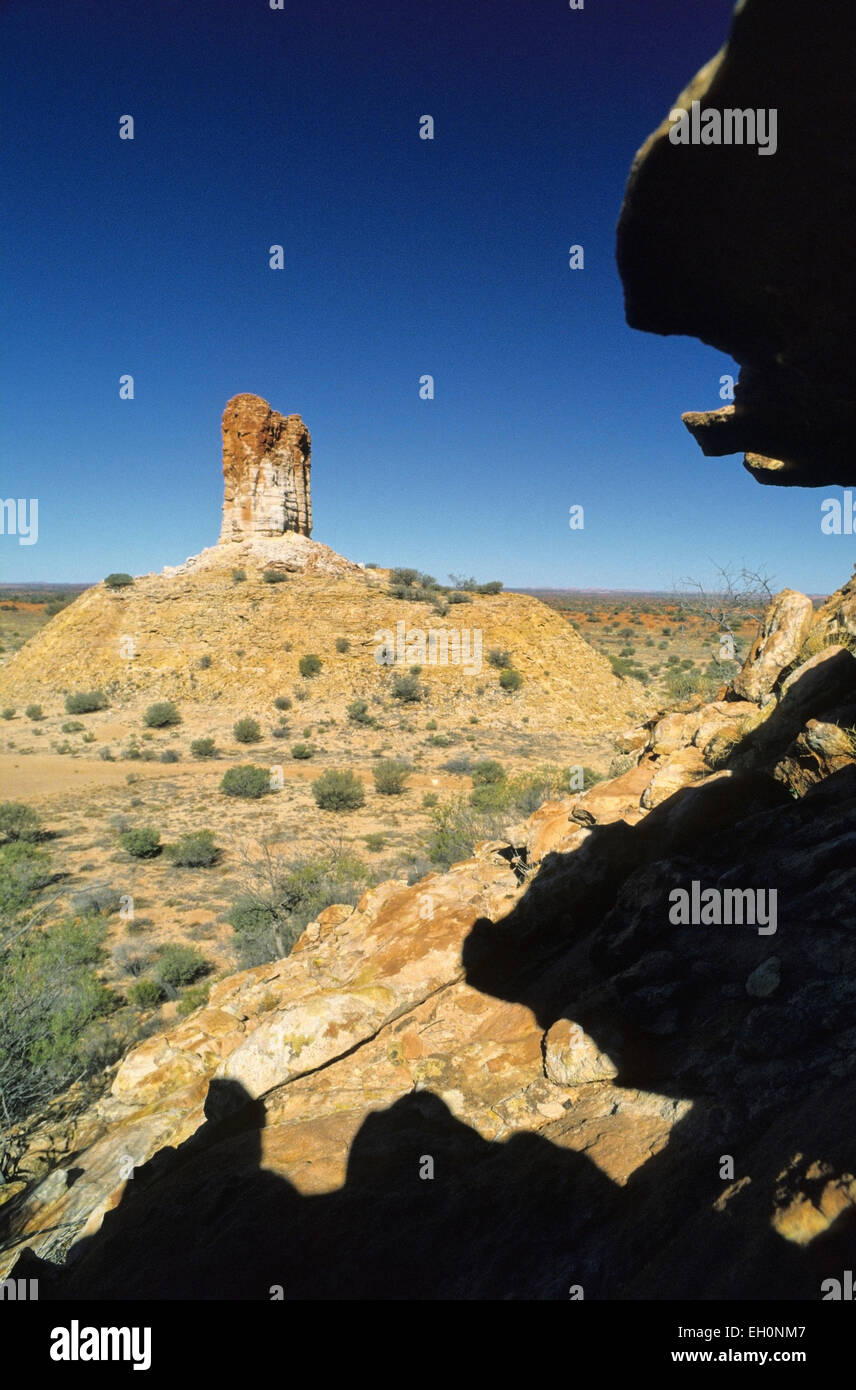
(402, 257)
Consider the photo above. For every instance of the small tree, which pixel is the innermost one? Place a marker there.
(118, 581)
(390, 777)
(247, 730)
(338, 791)
(161, 715)
(310, 665)
(247, 781)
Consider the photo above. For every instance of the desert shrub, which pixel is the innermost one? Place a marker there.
(455, 828)
(194, 997)
(510, 680)
(274, 577)
(23, 871)
(493, 586)
(52, 1011)
(458, 597)
(247, 730)
(280, 731)
(282, 702)
(429, 799)
(309, 665)
(203, 748)
(302, 751)
(459, 766)
(34, 712)
(682, 684)
(246, 780)
(161, 715)
(440, 740)
(168, 755)
(141, 844)
(106, 755)
(491, 796)
(238, 576)
(180, 965)
(118, 581)
(342, 645)
(72, 726)
(375, 842)
(358, 712)
(281, 897)
(85, 701)
(96, 899)
(19, 822)
(195, 850)
(8, 712)
(338, 791)
(204, 662)
(431, 724)
(488, 770)
(390, 777)
(145, 994)
(407, 690)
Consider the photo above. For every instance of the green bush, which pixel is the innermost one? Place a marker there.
(204, 662)
(247, 781)
(195, 850)
(429, 799)
(456, 827)
(375, 842)
(309, 665)
(280, 731)
(390, 777)
(145, 994)
(23, 871)
(247, 730)
(168, 755)
(238, 576)
(500, 658)
(161, 715)
(459, 766)
(407, 690)
(338, 791)
(491, 796)
(34, 712)
(141, 844)
(180, 965)
(282, 702)
(342, 645)
(203, 748)
(274, 577)
(457, 597)
(510, 680)
(358, 712)
(19, 822)
(72, 726)
(8, 712)
(85, 702)
(118, 581)
(302, 751)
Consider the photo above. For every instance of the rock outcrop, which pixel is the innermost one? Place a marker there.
(266, 462)
(521, 1074)
(752, 252)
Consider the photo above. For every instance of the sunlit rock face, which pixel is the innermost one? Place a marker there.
(266, 462)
